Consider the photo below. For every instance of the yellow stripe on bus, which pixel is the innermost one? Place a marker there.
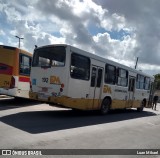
(86, 104)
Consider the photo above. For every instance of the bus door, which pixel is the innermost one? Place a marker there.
(131, 90)
(96, 85)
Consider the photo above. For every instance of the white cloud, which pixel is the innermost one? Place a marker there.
(143, 19)
(115, 48)
(64, 21)
(2, 32)
(12, 13)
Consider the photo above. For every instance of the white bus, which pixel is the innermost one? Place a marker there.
(65, 76)
(15, 65)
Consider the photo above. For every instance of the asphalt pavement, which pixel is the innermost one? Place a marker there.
(28, 124)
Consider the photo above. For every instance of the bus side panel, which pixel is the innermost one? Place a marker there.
(79, 91)
(16, 63)
(7, 66)
(120, 99)
(7, 56)
(140, 95)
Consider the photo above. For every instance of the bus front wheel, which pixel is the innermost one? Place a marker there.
(105, 106)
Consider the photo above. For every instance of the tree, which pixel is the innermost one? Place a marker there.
(157, 81)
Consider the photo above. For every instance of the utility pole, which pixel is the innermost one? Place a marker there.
(136, 63)
(19, 38)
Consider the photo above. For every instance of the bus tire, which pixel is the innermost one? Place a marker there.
(105, 106)
(140, 109)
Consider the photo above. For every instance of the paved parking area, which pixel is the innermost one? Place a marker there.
(28, 124)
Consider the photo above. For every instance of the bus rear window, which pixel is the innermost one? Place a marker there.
(49, 56)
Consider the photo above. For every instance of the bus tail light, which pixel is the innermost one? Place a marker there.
(12, 84)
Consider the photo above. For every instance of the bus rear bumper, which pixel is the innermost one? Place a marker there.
(33, 95)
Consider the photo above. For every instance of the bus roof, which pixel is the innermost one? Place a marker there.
(15, 48)
(96, 57)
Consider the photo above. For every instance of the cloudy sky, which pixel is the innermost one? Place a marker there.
(120, 30)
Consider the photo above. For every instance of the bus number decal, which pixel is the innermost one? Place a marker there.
(107, 89)
(45, 79)
(6, 83)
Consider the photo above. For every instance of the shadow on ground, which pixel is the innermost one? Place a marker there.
(11, 103)
(47, 121)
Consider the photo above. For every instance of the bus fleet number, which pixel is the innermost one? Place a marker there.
(6, 83)
(45, 79)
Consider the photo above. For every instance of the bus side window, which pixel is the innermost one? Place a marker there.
(140, 82)
(25, 65)
(99, 79)
(147, 83)
(80, 67)
(110, 74)
(21, 59)
(122, 77)
(93, 77)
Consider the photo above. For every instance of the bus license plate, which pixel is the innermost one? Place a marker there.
(42, 96)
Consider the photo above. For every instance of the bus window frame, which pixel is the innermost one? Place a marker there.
(73, 53)
(146, 83)
(117, 76)
(139, 82)
(30, 63)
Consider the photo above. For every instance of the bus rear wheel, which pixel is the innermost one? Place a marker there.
(105, 106)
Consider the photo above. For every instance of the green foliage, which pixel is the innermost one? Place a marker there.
(157, 77)
(157, 81)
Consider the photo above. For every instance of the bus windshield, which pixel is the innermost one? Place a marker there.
(49, 56)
